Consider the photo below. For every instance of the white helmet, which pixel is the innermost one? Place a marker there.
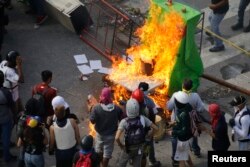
(181, 97)
(132, 108)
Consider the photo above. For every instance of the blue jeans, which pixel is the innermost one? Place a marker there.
(215, 20)
(38, 7)
(195, 147)
(33, 160)
(174, 145)
(242, 7)
(6, 133)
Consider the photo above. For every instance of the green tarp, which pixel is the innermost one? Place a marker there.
(188, 62)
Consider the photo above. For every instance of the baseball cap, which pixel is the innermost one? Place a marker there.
(59, 101)
(238, 100)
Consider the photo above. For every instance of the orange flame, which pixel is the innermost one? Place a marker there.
(160, 39)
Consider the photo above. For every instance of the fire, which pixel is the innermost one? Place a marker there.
(160, 39)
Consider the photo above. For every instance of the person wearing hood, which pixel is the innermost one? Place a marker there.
(64, 137)
(218, 132)
(182, 129)
(105, 116)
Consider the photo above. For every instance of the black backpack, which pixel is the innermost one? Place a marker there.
(134, 132)
(39, 96)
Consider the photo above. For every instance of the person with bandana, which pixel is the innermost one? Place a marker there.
(105, 116)
(240, 123)
(218, 131)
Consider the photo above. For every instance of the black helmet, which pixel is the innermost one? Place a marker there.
(11, 57)
(87, 142)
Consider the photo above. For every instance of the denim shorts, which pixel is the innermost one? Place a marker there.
(105, 145)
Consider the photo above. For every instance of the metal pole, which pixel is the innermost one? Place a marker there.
(226, 84)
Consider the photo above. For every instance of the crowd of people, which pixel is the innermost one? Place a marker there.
(131, 126)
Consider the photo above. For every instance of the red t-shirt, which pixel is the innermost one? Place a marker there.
(48, 96)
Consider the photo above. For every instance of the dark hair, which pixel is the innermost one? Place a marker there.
(32, 107)
(33, 135)
(11, 58)
(187, 84)
(1, 78)
(87, 142)
(144, 86)
(46, 75)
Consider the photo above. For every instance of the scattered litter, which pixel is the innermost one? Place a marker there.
(83, 78)
(80, 59)
(85, 69)
(95, 64)
(105, 70)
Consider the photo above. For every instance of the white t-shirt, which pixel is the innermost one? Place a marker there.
(11, 79)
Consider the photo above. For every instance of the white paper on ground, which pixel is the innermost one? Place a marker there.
(95, 64)
(80, 59)
(105, 70)
(85, 69)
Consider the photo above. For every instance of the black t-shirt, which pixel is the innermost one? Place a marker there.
(222, 9)
(95, 159)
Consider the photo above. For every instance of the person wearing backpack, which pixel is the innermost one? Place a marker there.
(87, 156)
(197, 104)
(45, 94)
(13, 74)
(240, 123)
(31, 110)
(182, 129)
(6, 119)
(152, 111)
(34, 141)
(134, 134)
(105, 116)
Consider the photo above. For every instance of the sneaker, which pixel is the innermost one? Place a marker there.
(217, 48)
(247, 29)
(36, 26)
(41, 19)
(237, 26)
(175, 163)
(208, 34)
(198, 155)
(155, 164)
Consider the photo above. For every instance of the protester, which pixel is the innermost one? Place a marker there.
(219, 9)
(182, 129)
(12, 69)
(31, 110)
(197, 104)
(150, 105)
(34, 141)
(48, 92)
(87, 154)
(105, 116)
(134, 128)
(241, 11)
(6, 119)
(64, 137)
(220, 139)
(38, 7)
(240, 123)
(59, 100)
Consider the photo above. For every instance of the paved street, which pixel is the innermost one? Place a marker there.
(52, 47)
